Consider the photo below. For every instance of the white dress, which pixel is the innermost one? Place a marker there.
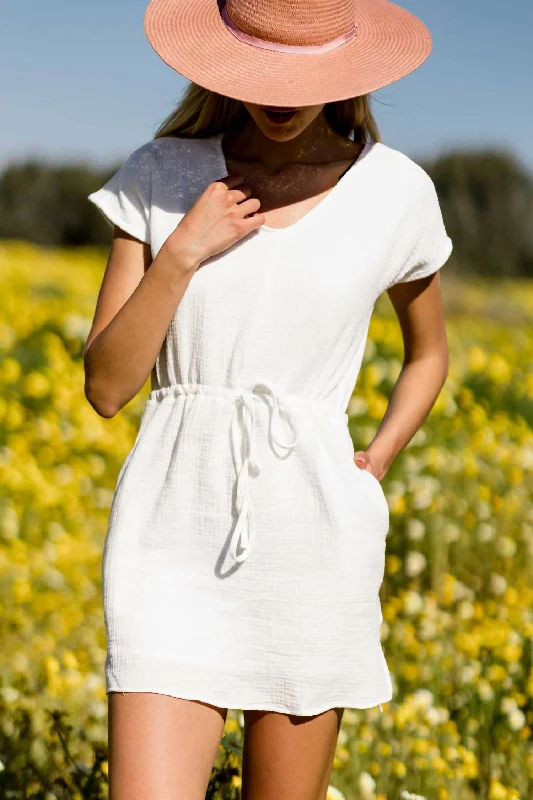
(245, 548)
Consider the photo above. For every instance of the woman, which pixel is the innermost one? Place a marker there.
(252, 238)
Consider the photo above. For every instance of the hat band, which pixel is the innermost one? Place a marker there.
(286, 48)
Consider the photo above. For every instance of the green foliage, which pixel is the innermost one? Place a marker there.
(487, 204)
(48, 204)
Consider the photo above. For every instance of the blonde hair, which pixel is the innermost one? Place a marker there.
(202, 113)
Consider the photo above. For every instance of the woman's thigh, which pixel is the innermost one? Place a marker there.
(288, 757)
(161, 747)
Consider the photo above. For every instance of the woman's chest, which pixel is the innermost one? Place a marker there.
(288, 194)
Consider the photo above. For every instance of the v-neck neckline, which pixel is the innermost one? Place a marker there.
(336, 189)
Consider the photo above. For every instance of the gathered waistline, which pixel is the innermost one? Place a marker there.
(232, 393)
(282, 406)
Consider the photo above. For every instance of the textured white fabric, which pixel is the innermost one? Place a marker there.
(245, 549)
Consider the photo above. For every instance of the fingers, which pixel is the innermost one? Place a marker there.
(249, 206)
(238, 191)
(240, 194)
(251, 223)
(233, 180)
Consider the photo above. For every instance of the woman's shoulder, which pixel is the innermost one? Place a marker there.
(157, 175)
(175, 152)
(401, 170)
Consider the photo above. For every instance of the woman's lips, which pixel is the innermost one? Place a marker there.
(279, 116)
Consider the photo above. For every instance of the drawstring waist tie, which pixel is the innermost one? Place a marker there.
(243, 427)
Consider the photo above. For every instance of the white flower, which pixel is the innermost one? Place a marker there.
(486, 532)
(76, 326)
(423, 698)
(334, 794)
(514, 637)
(466, 609)
(412, 603)
(433, 716)
(508, 705)
(428, 629)
(350, 716)
(468, 673)
(357, 406)
(415, 563)
(10, 526)
(367, 786)
(498, 584)
(517, 720)
(10, 694)
(98, 709)
(452, 533)
(485, 690)
(506, 547)
(416, 529)
(343, 737)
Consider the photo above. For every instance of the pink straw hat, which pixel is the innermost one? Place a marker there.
(288, 52)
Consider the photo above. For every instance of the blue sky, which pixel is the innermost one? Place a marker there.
(85, 83)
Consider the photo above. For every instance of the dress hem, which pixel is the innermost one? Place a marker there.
(258, 706)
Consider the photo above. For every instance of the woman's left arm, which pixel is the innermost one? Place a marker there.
(418, 306)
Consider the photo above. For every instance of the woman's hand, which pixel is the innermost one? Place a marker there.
(363, 461)
(224, 213)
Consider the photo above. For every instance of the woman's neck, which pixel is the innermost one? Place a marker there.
(317, 144)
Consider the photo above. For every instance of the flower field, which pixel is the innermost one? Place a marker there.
(457, 597)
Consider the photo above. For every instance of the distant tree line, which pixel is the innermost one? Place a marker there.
(47, 204)
(486, 198)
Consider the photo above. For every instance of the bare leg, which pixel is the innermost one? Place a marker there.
(161, 747)
(288, 757)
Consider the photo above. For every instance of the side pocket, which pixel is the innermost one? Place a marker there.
(377, 487)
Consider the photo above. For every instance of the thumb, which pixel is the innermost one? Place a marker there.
(361, 458)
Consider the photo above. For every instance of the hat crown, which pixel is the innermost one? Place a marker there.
(293, 22)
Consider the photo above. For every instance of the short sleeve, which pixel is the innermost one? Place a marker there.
(428, 244)
(126, 197)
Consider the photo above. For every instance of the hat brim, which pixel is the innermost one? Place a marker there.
(191, 37)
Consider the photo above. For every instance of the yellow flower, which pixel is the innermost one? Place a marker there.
(232, 725)
(51, 665)
(399, 769)
(496, 673)
(343, 753)
(10, 371)
(478, 359)
(497, 791)
(69, 660)
(499, 370)
(35, 385)
(394, 564)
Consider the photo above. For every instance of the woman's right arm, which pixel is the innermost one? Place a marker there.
(138, 299)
